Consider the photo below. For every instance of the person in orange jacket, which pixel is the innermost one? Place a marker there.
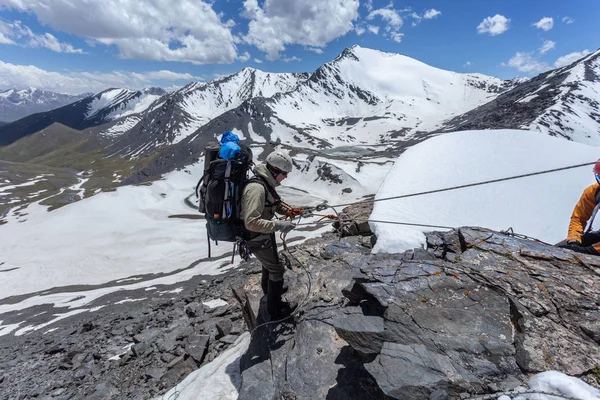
(580, 238)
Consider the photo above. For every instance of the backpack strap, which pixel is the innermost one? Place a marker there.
(268, 188)
(591, 221)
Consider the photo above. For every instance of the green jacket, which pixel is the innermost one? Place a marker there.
(255, 213)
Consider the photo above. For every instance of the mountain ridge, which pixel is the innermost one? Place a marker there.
(18, 103)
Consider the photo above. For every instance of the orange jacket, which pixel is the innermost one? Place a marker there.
(582, 213)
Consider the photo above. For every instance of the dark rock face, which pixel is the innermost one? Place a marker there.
(477, 312)
(134, 351)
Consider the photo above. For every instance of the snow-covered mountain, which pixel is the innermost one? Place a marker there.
(90, 111)
(367, 96)
(563, 102)
(364, 97)
(16, 104)
(183, 112)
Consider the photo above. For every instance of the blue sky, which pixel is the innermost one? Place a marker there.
(89, 45)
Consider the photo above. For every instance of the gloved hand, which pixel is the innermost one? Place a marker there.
(569, 243)
(284, 226)
(578, 247)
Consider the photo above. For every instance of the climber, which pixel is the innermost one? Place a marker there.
(583, 215)
(260, 202)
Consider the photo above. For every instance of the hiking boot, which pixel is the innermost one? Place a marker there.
(276, 308)
(264, 282)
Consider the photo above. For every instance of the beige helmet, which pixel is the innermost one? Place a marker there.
(280, 160)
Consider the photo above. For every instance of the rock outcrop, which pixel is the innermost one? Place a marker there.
(475, 313)
(478, 312)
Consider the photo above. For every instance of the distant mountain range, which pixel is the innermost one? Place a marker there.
(365, 102)
(16, 104)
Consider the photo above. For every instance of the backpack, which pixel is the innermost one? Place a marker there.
(219, 193)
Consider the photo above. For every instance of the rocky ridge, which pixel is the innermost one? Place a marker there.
(474, 313)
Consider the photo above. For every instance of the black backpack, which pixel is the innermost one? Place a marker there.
(219, 193)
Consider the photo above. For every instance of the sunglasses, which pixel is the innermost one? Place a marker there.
(598, 178)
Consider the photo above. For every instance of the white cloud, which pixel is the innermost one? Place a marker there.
(317, 50)
(570, 58)
(393, 20)
(467, 64)
(433, 13)
(244, 57)
(169, 76)
(368, 5)
(256, 60)
(48, 41)
(373, 29)
(416, 19)
(547, 46)
(396, 36)
(183, 30)
(568, 20)
(495, 25)
(279, 23)
(359, 30)
(389, 15)
(545, 23)
(526, 62)
(16, 33)
(291, 59)
(5, 40)
(19, 76)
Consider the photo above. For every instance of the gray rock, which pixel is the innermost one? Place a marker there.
(229, 339)
(155, 373)
(364, 333)
(196, 346)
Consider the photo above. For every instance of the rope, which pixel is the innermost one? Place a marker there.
(300, 305)
(548, 171)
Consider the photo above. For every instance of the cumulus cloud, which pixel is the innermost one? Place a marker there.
(314, 23)
(373, 29)
(393, 21)
(359, 30)
(495, 25)
(291, 59)
(433, 13)
(570, 58)
(467, 64)
(545, 23)
(256, 60)
(389, 15)
(526, 62)
(396, 36)
(547, 46)
(244, 57)
(568, 20)
(16, 33)
(19, 76)
(184, 30)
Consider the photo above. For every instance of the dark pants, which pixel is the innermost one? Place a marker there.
(590, 238)
(265, 250)
(587, 239)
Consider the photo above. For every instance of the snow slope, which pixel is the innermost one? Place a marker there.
(538, 206)
(121, 237)
(201, 102)
(365, 96)
(575, 113)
